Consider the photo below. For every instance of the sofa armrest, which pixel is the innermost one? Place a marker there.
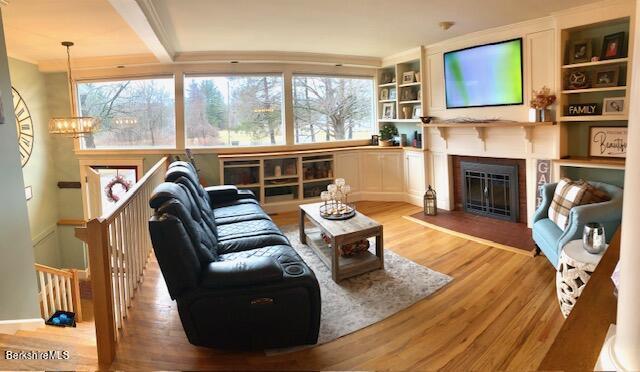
(608, 213)
(255, 270)
(227, 193)
(546, 191)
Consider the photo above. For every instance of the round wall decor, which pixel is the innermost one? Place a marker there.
(24, 125)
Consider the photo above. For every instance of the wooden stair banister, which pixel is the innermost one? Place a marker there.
(119, 245)
(59, 290)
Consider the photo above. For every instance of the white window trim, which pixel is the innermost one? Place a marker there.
(179, 70)
(345, 143)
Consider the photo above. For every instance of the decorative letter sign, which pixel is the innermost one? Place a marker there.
(584, 109)
(543, 175)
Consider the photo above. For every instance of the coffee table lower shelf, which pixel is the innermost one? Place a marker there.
(349, 266)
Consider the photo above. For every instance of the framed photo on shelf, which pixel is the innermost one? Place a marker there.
(408, 77)
(417, 112)
(613, 46)
(606, 77)
(408, 95)
(608, 142)
(580, 51)
(375, 139)
(388, 110)
(392, 94)
(613, 106)
(386, 78)
(384, 94)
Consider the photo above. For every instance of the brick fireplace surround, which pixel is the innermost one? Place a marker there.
(458, 197)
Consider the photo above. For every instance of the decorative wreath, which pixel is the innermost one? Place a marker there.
(117, 180)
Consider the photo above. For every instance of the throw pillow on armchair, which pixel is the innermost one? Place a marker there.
(569, 194)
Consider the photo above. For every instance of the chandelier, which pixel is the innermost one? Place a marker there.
(73, 126)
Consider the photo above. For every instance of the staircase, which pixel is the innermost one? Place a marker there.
(79, 342)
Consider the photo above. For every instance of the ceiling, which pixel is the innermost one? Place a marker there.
(375, 28)
(34, 29)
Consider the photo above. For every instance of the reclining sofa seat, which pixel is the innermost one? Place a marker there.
(249, 228)
(247, 296)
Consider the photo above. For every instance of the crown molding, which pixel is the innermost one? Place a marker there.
(277, 57)
(407, 55)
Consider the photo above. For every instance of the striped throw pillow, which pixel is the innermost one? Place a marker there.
(568, 194)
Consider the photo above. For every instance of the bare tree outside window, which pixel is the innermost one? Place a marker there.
(238, 110)
(332, 108)
(134, 113)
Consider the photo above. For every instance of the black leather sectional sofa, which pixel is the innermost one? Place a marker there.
(236, 279)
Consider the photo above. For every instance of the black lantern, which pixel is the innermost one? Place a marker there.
(430, 202)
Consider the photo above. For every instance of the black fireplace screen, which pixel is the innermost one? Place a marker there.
(490, 189)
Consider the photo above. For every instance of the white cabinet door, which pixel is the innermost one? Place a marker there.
(414, 174)
(347, 166)
(392, 172)
(370, 171)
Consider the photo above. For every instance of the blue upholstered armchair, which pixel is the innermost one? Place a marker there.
(550, 238)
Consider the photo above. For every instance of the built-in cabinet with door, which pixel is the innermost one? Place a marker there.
(414, 176)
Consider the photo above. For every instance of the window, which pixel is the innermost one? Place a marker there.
(332, 108)
(239, 110)
(134, 113)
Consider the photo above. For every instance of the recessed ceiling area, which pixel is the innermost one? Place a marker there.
(34, 29)
(372, 28)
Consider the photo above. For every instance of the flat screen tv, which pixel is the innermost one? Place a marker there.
(484, 75)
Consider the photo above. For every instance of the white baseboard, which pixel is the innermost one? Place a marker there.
(13, 326)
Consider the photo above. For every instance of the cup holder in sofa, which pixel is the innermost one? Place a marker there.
(294, 269)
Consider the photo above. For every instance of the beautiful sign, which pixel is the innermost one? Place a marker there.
(608, 142)
(543, 176)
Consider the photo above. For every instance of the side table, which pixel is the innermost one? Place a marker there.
(574, 271)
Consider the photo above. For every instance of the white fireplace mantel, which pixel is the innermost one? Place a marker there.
(503, 139)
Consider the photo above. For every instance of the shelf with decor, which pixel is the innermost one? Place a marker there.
(279, 180)
(591, 162)
(596, 63)
(595, 71)
(387, 85)
(401, 102)
(594, 90)
(585, 118)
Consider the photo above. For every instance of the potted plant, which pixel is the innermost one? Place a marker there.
(387, 133)
(540, 102)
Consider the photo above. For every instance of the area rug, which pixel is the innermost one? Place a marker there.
(360, 301)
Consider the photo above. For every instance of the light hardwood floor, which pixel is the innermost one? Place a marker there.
(500, 312)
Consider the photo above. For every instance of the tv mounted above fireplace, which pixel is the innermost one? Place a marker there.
(484, 75)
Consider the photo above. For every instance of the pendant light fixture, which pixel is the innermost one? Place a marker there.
(73, 126)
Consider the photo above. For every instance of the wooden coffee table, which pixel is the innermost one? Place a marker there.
(342, 232)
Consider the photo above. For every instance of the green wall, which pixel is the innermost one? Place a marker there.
(39, 172)
(18, 288)
(67, 168)
(610, 176)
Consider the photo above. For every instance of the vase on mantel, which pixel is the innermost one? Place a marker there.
(539, 115)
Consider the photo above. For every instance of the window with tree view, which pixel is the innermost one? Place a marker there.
(233, 110)
(134, 113)
(332, 108)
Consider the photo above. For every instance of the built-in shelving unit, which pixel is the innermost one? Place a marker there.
(574, 133)
(280, 179)
(401, 84)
